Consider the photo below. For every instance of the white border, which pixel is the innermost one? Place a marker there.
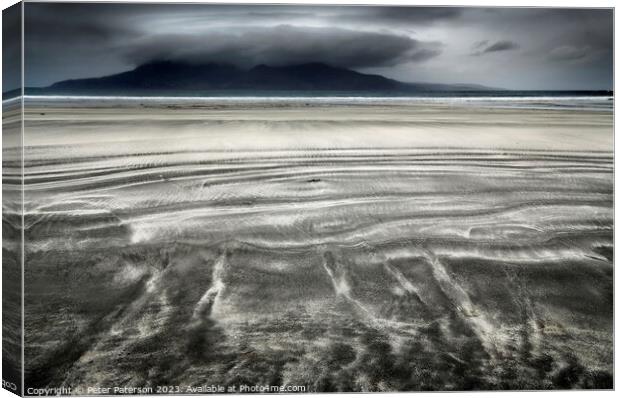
(477, 3)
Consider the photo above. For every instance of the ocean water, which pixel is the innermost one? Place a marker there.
(540, 99)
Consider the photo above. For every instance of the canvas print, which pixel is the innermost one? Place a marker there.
(12, 248)
(307, 198)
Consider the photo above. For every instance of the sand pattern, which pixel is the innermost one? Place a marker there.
(340, 246)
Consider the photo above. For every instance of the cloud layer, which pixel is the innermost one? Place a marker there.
(285, 45)
(11, 49)
(484, 47)
(522, 48)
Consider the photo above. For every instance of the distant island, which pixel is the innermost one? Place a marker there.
(179, 77)
(171, 78)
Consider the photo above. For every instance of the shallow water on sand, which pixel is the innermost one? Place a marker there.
(350, 247)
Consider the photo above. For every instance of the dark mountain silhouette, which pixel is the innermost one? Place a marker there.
(314, 76)
(179, 76)
(159, 76)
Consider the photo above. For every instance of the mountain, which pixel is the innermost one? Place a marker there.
(159, 76)
(184, 77)
(314, 76)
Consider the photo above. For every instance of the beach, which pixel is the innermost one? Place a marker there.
(338, 244)
(11, 242)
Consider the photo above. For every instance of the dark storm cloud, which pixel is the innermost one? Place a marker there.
(570, 53)
(11, 48)
(562, 34)
(358, 14)
(51, 22)
(484, 47)
(589, 41)
(74, 40)
(406, 15)
(479, 44)
(285, 45)
(81, 40)
(65, 40)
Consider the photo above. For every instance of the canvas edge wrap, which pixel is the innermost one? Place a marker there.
(12, 199)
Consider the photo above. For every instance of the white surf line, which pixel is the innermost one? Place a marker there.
(486, 332)
(209, 300)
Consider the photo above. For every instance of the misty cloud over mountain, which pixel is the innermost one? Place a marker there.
(285, 45)
(531, 48)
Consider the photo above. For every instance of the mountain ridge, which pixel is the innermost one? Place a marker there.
(312, 76)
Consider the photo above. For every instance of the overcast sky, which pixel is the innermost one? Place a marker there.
(515, 48)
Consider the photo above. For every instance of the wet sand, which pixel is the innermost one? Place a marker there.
(11, 244)
(343, 247)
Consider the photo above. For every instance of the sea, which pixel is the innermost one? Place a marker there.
(584, 100)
